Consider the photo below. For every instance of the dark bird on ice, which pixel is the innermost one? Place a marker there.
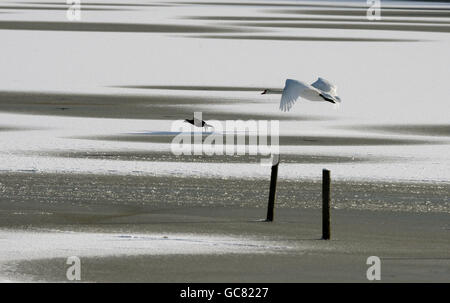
(198, 123)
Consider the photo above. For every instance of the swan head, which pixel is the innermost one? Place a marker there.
(265, 92)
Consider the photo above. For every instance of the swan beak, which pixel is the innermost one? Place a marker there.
(264, 92)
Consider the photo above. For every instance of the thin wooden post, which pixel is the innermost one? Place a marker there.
(273, 187)
(326, 184)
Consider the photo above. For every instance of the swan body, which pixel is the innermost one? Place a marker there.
(321, 90)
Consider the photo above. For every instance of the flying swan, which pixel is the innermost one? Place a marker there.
(321, 90)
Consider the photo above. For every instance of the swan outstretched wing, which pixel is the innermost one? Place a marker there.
(325, 86)
(291, 92)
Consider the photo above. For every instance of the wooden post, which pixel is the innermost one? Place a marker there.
(326, 183)
(273, 187)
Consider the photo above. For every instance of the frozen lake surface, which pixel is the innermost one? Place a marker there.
(86, 81)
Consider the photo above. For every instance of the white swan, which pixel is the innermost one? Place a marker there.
(321, 90)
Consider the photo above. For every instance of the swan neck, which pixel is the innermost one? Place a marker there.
(273, 91)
